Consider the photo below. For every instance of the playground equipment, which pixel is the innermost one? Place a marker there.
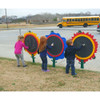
(88, 51)
(57, 51)
(59, 45)
(32, 41)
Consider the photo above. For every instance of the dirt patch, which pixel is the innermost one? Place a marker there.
(32, 78)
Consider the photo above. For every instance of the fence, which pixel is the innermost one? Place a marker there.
(8, 38)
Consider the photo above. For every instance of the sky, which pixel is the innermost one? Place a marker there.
(32, 11)
(22, 8)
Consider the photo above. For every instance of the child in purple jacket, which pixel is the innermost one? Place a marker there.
(43, 52)
(18, 50)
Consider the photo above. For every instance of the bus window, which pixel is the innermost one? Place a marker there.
(91, 19)
(67, 20)
(78, 19)
(97, 19)
(75, 19)
(86, 19)
(81, 19)
(72, 19)
(64, 20)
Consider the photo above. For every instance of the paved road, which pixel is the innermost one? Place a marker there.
(9, 37)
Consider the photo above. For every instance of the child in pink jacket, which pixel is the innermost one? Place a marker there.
(18, 50)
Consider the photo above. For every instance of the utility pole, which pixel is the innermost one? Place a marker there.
(6, 17)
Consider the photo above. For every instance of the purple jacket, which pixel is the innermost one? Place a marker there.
(18, 47)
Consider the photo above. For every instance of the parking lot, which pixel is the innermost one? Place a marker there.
(9, 37)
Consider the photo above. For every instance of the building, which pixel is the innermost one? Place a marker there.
(8, 20)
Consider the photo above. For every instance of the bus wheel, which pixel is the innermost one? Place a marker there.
(60, 26)
(85, 25)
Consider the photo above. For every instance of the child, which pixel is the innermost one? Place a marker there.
(43, 52)
(18, 50)
(70, 55)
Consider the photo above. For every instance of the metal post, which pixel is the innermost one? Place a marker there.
(6, 18)
(79, 31)
(20, 31)
(54, 61)
(33, 58)
(82, 64)
(52, 31)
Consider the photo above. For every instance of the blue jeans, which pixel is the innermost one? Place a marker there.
(44, 62)
(70, 63)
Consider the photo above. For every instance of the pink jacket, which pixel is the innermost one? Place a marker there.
(18, 47)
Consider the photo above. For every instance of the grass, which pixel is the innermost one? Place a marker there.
(24, 25)
(1, 89)
(32, 78)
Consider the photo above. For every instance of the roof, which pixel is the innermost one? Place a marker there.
(81, 17)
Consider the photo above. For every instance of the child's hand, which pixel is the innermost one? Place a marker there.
(27, 48)
(52, 44)
(83, 45)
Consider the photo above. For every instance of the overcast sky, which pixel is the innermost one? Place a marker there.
(24, 12)
(48, 6)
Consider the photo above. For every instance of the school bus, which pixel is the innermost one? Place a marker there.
(77, 21)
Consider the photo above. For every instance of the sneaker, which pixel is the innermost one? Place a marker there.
(25, 66)
(46, 70)
(74, 74)
(18, 65)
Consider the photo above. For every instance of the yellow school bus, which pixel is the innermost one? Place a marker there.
(77, 21)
